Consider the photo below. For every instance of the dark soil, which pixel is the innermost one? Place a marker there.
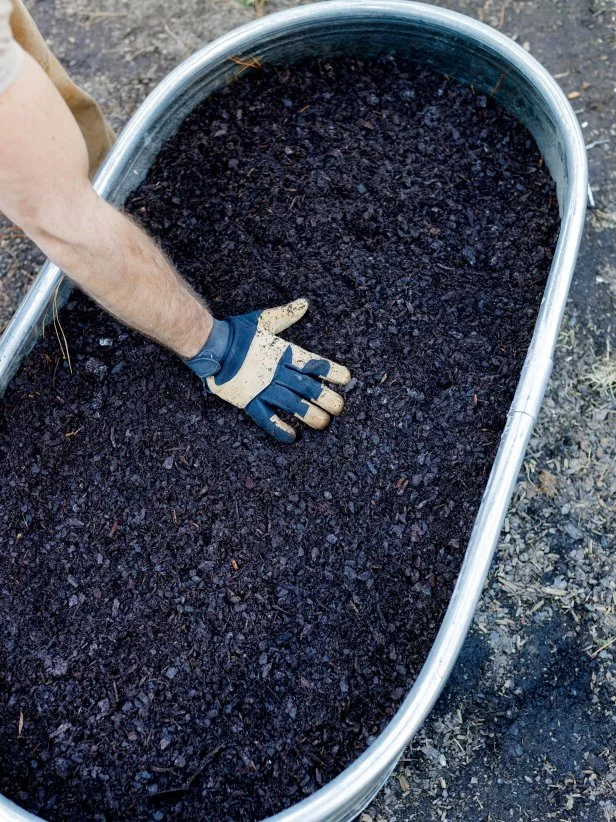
(196, 621)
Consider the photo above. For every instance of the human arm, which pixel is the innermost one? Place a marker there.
(44, 188)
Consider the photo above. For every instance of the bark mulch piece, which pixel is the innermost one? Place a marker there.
(196, 621)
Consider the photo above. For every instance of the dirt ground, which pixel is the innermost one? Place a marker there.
(525, 729)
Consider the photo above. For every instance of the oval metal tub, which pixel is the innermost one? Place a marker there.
(475, 54)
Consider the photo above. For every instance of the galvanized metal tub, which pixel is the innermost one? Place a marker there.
(475, 54)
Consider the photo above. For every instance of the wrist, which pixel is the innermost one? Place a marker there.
(208, 360)
(199, 325)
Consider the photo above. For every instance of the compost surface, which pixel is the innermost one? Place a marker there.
(196, 621)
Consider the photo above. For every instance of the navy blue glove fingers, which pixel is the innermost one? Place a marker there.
(264, 415)
(278, 396)
(320, 367)
(306, 386)
(316, 367)
(311, 389)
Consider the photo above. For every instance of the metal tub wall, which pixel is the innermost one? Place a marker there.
(475, 54)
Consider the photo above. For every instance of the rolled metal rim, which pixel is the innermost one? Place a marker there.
(473, 52)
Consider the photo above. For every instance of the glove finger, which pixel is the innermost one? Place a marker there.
(330, 401)
(328, 370)
(265, 417)
(310, 388)
(315, 417)
(277, 319)
(279, 396)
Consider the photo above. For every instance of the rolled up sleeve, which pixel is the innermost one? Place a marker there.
(11, 54)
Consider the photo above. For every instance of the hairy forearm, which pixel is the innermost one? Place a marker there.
(120, 267)
(44, 188)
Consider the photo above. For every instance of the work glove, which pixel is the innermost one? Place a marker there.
(245, 363)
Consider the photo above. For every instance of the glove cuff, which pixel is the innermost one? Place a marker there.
(209, 360)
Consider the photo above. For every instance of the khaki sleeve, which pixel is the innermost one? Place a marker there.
(11, 55)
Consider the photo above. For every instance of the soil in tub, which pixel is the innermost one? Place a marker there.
(196, 621)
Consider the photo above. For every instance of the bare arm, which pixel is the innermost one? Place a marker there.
(44, 188)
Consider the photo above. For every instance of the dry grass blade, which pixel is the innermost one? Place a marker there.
(181, 789)
(257, 5)
(245, 63)
(605, 645)
(62, 341)
(602, 376)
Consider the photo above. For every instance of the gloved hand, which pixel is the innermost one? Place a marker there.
(246, 364)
